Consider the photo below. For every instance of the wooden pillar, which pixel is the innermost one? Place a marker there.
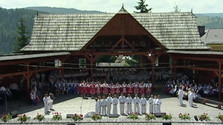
(93, 64)
(153, 57)
(92, 59)
(219, 81)
(28, 80)
(62, 69)
(63, 63)
(174, 69)
(153, 72)
(91, 68)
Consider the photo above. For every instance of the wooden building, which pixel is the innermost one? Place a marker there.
(214, 39)
(152, 35)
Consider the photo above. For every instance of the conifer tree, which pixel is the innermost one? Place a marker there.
(22, 35)
(142, 7)
(176, 9)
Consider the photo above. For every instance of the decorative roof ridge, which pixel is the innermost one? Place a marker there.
(123, 10)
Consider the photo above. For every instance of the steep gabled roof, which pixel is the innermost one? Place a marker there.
(213, 36)
(177, 31)
(69, 32)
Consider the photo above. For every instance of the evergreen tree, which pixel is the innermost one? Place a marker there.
(22, 35)
(142, 7)
(176, 9)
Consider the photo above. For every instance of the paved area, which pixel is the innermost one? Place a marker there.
(169, 105)
(70, 104)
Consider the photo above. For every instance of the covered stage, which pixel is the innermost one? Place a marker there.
(171, 39)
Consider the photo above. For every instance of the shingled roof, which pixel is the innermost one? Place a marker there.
(70, 32)
(213, 36)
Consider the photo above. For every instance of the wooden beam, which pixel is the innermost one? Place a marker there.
(116, 44)
(153, 73)
(14, 62)
(197, 68)
(116, 53)
(216, 72)
(198, 58)
(65, 58)
(126, 41)
(219, 81)
(12, 74)
(28, 80)
(88, 56)
(25, 72)
(45, 69)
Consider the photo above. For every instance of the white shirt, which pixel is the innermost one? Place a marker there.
(122, 99)
(115, 101)
(33, 95)
(181, 93)
(129, 100)
(136, 100)
(104, 102)
(2, 89)
(159, 101)
(151, 100)
(98, 104)
(143, 101)
(109, 100)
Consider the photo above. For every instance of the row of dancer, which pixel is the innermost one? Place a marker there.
(103, 106)
(97, 88)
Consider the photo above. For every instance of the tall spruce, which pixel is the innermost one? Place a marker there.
(142, 7)
(176, 9)
(22, 38)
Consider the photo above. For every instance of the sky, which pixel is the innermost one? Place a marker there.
(198, 6)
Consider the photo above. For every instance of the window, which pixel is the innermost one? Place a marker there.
(82, 63)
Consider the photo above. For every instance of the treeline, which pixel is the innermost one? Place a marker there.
(210, 21)
(9, 19)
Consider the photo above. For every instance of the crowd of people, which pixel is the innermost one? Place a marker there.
(188, 89)
(97, 88)
(205, 89)
(107, 106)
(122, 74)
(10, 92)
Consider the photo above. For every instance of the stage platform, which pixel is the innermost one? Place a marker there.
(81, 106)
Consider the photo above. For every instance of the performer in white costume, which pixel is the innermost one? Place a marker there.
(98, 105)
(191, 96)
(122, 104)
(104, 105)
(151, 104)
(129, 104)
(115, 103)
(109, 103)
(143, 104)
(159, 102)
(136, 102)
(180, 95)
(46, 104)
(155, 105)
(51, 101)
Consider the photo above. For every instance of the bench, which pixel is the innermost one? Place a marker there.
(205, 100)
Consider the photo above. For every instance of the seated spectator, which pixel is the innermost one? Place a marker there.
(14, 89)
(33, 97)
(5, 91)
